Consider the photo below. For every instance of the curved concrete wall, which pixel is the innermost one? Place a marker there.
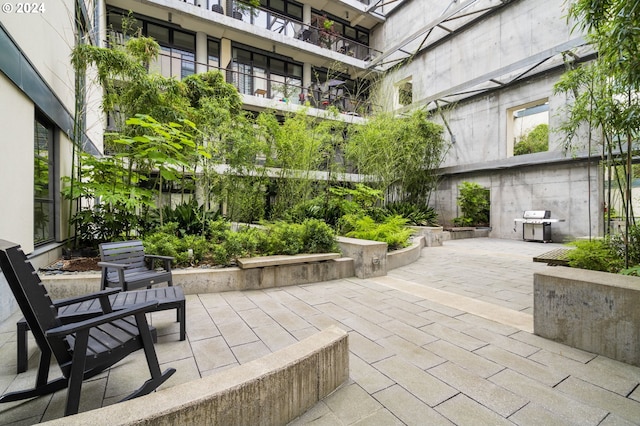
(272, 390)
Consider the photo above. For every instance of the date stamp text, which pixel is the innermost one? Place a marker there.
(23, 8)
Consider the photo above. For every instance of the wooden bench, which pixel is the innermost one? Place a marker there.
(557, 257)
(125, 265)
(167, 298)
(279, 260)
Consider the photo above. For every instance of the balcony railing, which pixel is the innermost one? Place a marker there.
(255, 81)
(273, 21)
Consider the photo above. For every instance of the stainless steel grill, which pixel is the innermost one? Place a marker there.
(536, 225)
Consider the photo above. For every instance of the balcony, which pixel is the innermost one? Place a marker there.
(288, 27)
(259, 85)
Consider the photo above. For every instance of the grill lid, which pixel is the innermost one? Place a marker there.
(536, 214)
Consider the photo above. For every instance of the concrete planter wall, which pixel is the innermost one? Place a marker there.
(433, 235)
(366, 259)
(594, 311)
(369, 257)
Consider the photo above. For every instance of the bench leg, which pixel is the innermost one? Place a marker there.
(23, 359)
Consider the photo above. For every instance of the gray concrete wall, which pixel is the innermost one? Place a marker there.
(561, 188)
(272, 390)
(594, 311)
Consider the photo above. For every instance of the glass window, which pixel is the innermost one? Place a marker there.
(277, 5)
(363, 37)
(350, 32)
(160, 34)
(277, 66)
(184, 41)
(44, 190)
(296, 70)
(213, 53)
(294, 10)
(243, 56)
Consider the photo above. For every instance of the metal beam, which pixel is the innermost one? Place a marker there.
(444, 17)
(495, 74)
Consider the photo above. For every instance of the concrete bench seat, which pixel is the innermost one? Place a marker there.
(279, 260)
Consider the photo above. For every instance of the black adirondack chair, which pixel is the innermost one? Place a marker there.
(82, 349)
(125, 264)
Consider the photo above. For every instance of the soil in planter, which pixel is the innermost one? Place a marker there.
(75, 264)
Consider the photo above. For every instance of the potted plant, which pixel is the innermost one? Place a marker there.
(242, 7)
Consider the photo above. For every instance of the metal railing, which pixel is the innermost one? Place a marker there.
(255, 81)
(290, 27)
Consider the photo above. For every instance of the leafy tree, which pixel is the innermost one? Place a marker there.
(398, 154)
(605, 90)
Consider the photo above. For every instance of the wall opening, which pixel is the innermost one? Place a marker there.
(528, 128)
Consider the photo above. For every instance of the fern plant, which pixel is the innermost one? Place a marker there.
(392, 231)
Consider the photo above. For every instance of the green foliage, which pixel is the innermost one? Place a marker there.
(603, 90)
(117, 196)
(392, 231)
(402, 153)
(299, 147)
(335, 203)
(631, 245)
(596, 255)
(418, 215)
(474, 203)
(318, 237)
(633, 271)
(283, 238)
(191, 218)
(187, 250)
(537, 140)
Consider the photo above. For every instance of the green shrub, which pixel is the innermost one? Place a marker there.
(218, 229)
(318, 237)
(191, 218)
(474, 203)
(392, 231)
(415, 214)
(165, 242)
(618, 244)
(283, 238)
(595, 255)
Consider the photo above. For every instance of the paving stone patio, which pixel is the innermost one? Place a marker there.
(445, 340)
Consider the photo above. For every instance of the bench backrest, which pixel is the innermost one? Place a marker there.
(33, 299)
(130, 253)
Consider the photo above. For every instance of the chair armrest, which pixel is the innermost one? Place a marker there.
(71, 300)
(112, 265)
(155, 256)
(166, 260)
(74, 327)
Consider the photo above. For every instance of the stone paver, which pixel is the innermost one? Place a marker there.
(445, 340)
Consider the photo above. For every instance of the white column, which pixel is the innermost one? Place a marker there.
(202, 56)
(306, 13)
(306, 75)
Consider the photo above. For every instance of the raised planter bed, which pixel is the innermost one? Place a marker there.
(594, 311)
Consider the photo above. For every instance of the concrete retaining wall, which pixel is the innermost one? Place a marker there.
(369, 257)
(272, 390)
(406, 255)
(594, 311)
(195, 281)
